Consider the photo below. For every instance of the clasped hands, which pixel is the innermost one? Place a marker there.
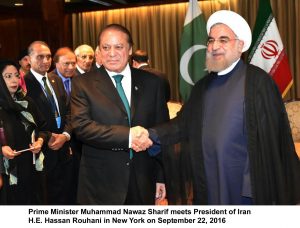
(57, 141)
(140, 140)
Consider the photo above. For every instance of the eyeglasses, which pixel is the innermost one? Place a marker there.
(66, 64)
(42, 57)
(222, 41)
(10, 76)
(90, 57)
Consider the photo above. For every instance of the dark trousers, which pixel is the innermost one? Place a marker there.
(133, 194)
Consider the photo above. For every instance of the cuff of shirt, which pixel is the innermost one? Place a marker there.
(155, 149)
(129, 139)
(67, 135)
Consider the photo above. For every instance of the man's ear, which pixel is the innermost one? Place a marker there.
(241, 45)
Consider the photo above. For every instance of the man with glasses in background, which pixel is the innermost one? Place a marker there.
(85, 57)
(65, 67)
(50, 98)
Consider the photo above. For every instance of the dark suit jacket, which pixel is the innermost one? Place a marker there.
(71, 172)
(53, 75)
(74, 143)
(274, 165)
(35, 91)
(163, 77)
(100, 122)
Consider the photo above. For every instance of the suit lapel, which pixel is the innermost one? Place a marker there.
(37, 90)
(104, 83)
(136, 87)
(57, 94)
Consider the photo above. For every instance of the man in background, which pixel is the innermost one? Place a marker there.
(85, 57)
(65, 66)
(140, 60)
(24, 63)
(98, 61)
(50, 97)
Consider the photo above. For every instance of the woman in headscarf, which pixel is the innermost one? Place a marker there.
(20, 129)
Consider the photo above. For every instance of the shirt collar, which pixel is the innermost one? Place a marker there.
(61, 76)
(143, 64)
(126, 72)
(38, 76)
(80, 70)
(228, 69)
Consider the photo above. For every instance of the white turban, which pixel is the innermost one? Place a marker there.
(235, 22)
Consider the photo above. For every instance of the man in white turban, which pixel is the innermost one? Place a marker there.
(235, 123)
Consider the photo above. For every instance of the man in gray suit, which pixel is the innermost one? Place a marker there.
(106, 104)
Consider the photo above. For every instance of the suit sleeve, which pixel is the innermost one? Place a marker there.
(40, 122)
(162, 117)
(89, 131)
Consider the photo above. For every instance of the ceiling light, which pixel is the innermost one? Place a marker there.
(100, 2)
(18, 4)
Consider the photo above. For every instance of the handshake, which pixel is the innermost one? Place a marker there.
(140, 140)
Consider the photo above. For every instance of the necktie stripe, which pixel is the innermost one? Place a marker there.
(50, 97)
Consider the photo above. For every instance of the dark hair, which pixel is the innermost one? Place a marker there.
(4, 63)
(140, 56)
(6, 101)
(117, 27)
(22, 54)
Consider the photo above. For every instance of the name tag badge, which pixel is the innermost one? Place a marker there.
(58, 121)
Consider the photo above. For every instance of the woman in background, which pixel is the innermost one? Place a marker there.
(19, 130)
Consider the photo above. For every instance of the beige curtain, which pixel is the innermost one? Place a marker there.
(157, 29)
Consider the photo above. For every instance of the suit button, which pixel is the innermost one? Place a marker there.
(126, 118)
(127, 163)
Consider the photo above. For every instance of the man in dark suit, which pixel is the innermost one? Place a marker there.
(65, 65)
(111, 172)
(50, 98)
(140, 60)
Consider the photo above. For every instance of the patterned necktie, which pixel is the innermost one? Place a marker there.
(50, 97)
(118, 78)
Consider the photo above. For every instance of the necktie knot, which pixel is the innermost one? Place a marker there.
(118, 78)
(47, 89)
(44, 79)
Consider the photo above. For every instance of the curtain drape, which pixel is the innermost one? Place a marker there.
(157, 29)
